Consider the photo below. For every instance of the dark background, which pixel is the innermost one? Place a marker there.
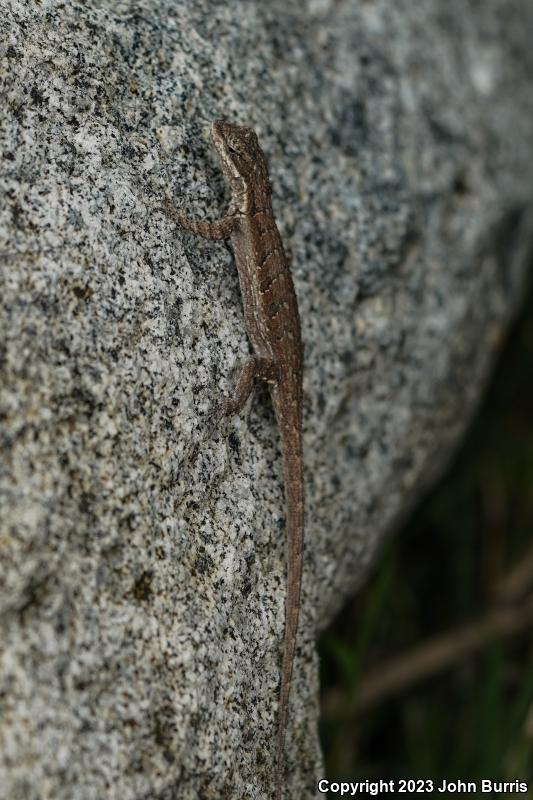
(428, 672)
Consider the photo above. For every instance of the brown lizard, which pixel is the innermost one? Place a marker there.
(273, 326)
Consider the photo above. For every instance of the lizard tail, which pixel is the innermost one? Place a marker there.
(291, 444)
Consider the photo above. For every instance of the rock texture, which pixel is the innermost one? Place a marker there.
(141, 547)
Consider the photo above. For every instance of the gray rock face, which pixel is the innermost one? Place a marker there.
(141, 546)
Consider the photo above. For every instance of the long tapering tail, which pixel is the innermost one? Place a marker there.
(291, 445)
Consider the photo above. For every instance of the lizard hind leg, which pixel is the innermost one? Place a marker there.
(256, 367)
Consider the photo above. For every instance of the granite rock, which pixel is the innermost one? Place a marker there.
(141, 544)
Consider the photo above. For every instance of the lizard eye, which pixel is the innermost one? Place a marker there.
(233, 150)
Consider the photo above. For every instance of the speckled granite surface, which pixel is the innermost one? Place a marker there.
(141, 550)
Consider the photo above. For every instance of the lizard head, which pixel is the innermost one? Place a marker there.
(243, 164)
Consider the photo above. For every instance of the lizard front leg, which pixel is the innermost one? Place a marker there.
(255, 367)
(219, 229)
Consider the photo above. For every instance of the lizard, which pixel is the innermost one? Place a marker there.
(272, 323)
